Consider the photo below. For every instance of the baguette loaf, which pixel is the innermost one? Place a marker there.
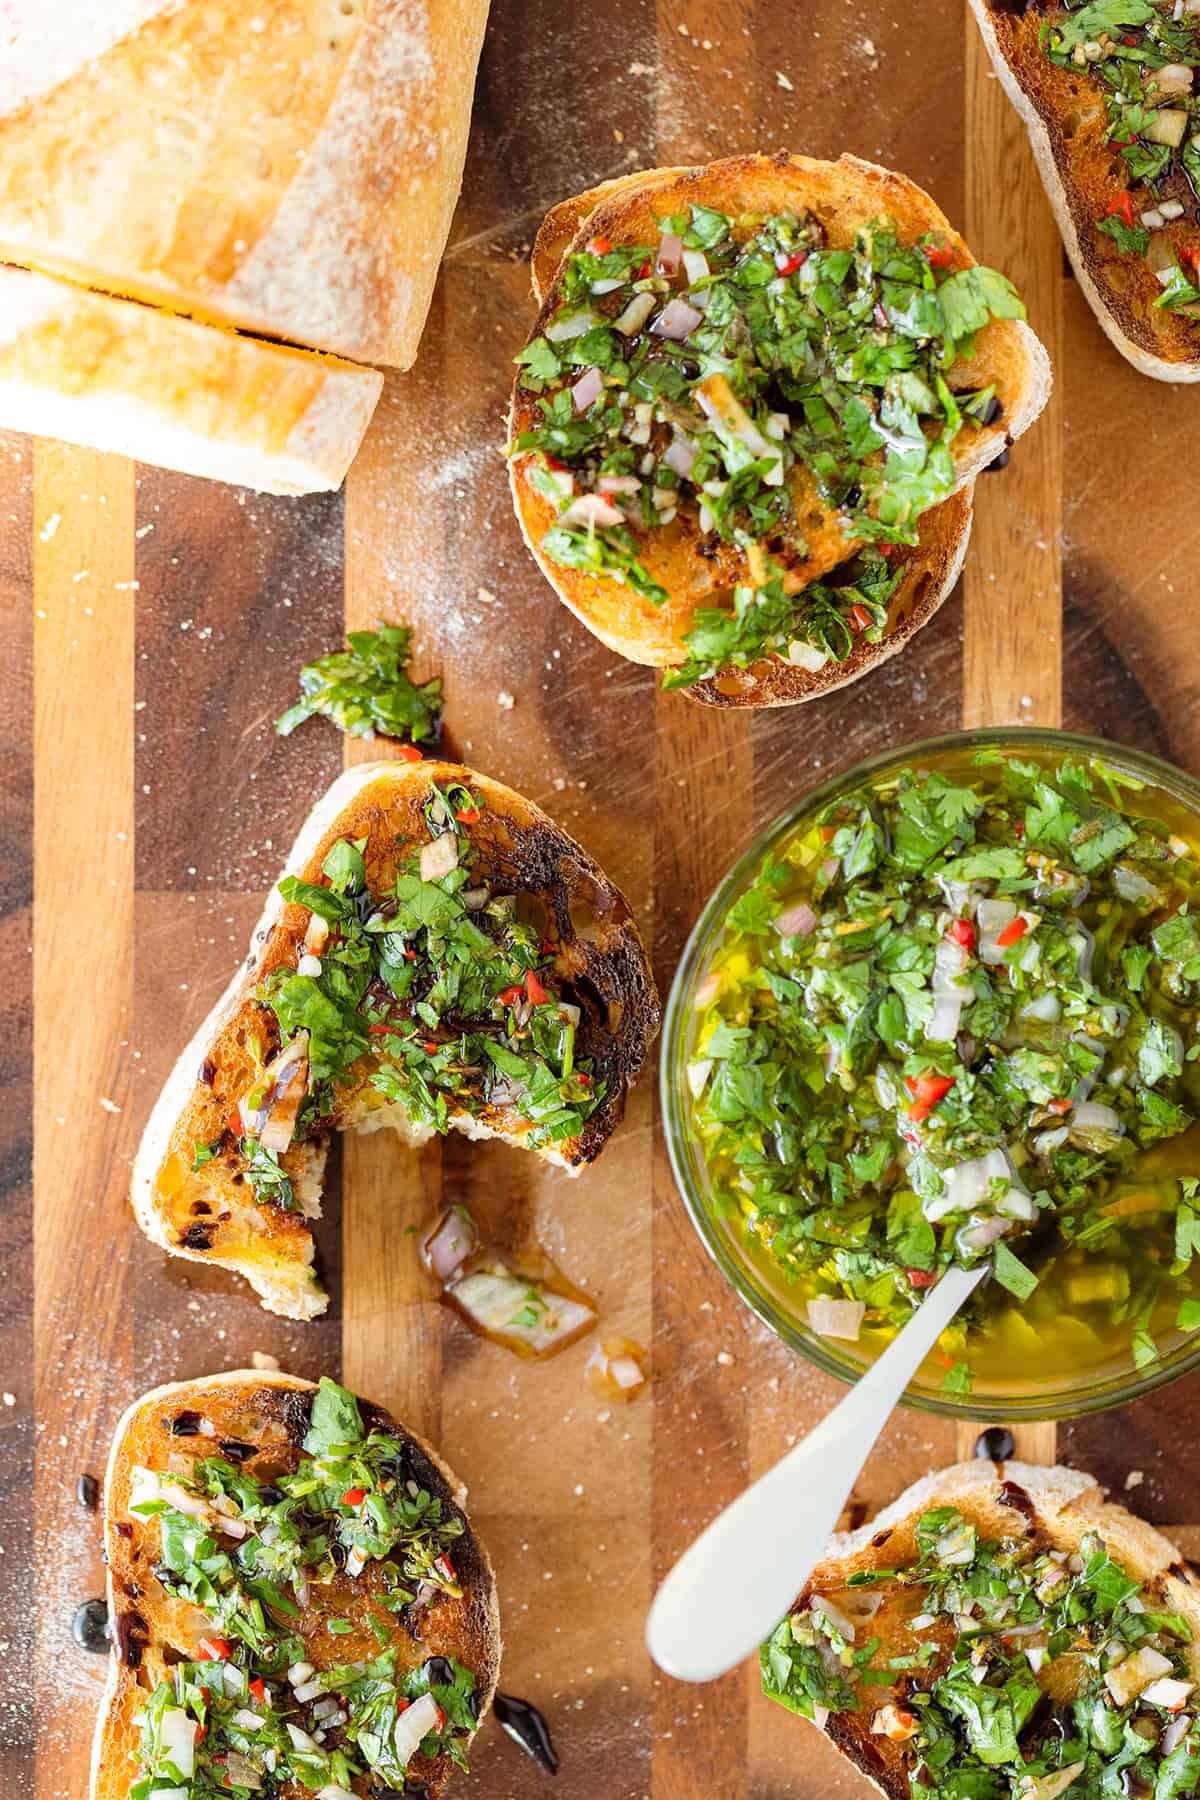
(130, 379)
(289, 169)
(164, 1644)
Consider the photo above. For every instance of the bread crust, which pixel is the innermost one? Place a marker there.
(1058, 1505)
(843, 195)
(1063, 112)
(138, 382)
(297, 179)
(143, 1617)
(598, 952)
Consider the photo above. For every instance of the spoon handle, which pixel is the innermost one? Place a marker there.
(730, 1589)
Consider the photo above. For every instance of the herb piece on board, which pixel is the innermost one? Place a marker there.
(366, 690)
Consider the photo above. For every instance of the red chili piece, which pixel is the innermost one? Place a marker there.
(1013, 932)
(534, 988)
(927, 1090)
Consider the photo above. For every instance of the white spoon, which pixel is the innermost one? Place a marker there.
(731, 1588)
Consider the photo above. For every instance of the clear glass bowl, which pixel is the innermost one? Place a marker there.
(1059, 1395)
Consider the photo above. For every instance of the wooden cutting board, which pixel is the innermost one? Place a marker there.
(153, 629)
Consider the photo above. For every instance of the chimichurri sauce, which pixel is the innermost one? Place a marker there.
(953, 1018)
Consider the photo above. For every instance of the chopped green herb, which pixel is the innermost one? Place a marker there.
(366, 689)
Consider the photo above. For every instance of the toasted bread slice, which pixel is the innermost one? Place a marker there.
(1053, 1507)
(931, 567)
(1064, 114)
(259, 1421)
(842, 196)
(210, 1214)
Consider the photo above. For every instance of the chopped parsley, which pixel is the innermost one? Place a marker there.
(437, 994)
(1144, 56)
(366, 690)
(256, 1557)
(953, 1018)
(1039, 1671)
(729, 383)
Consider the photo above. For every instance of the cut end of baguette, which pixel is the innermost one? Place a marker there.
(291, 173)
(149, 1627)
(125, 378)
(1063, 111)
(843, 195)
(598, 957)
(1057, 1507)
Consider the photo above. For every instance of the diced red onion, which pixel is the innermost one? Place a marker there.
(836, 1318)
(829, 1609)
(968, 1184)
(587, 390)
(670, 253)
(440, 856)
(981, 1233)
(676, 320)
(452, 1240)
(1132, 885)
(696, 266)
(592, 509)
(708, 990)
(797, 921)
(1045, 1010)
(807, 656)
(177, 1739)
(949, 992)
(414, 1724)
(624, 1372)
(1092, 1115)
(497, 1302)
(1175, 1733)
(680, 455)
(1167, 1691)
(618, 484)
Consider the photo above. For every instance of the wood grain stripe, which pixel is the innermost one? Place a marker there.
(16, 1118)
(1012, 671)
(391, 1332)
(83, 569)
(1012, 619)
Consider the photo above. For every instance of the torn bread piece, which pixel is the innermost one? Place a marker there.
(439, 955)
(296, 1598)
(125, 378)
(1109, 93)
(713, 532)
(1000, 1629)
